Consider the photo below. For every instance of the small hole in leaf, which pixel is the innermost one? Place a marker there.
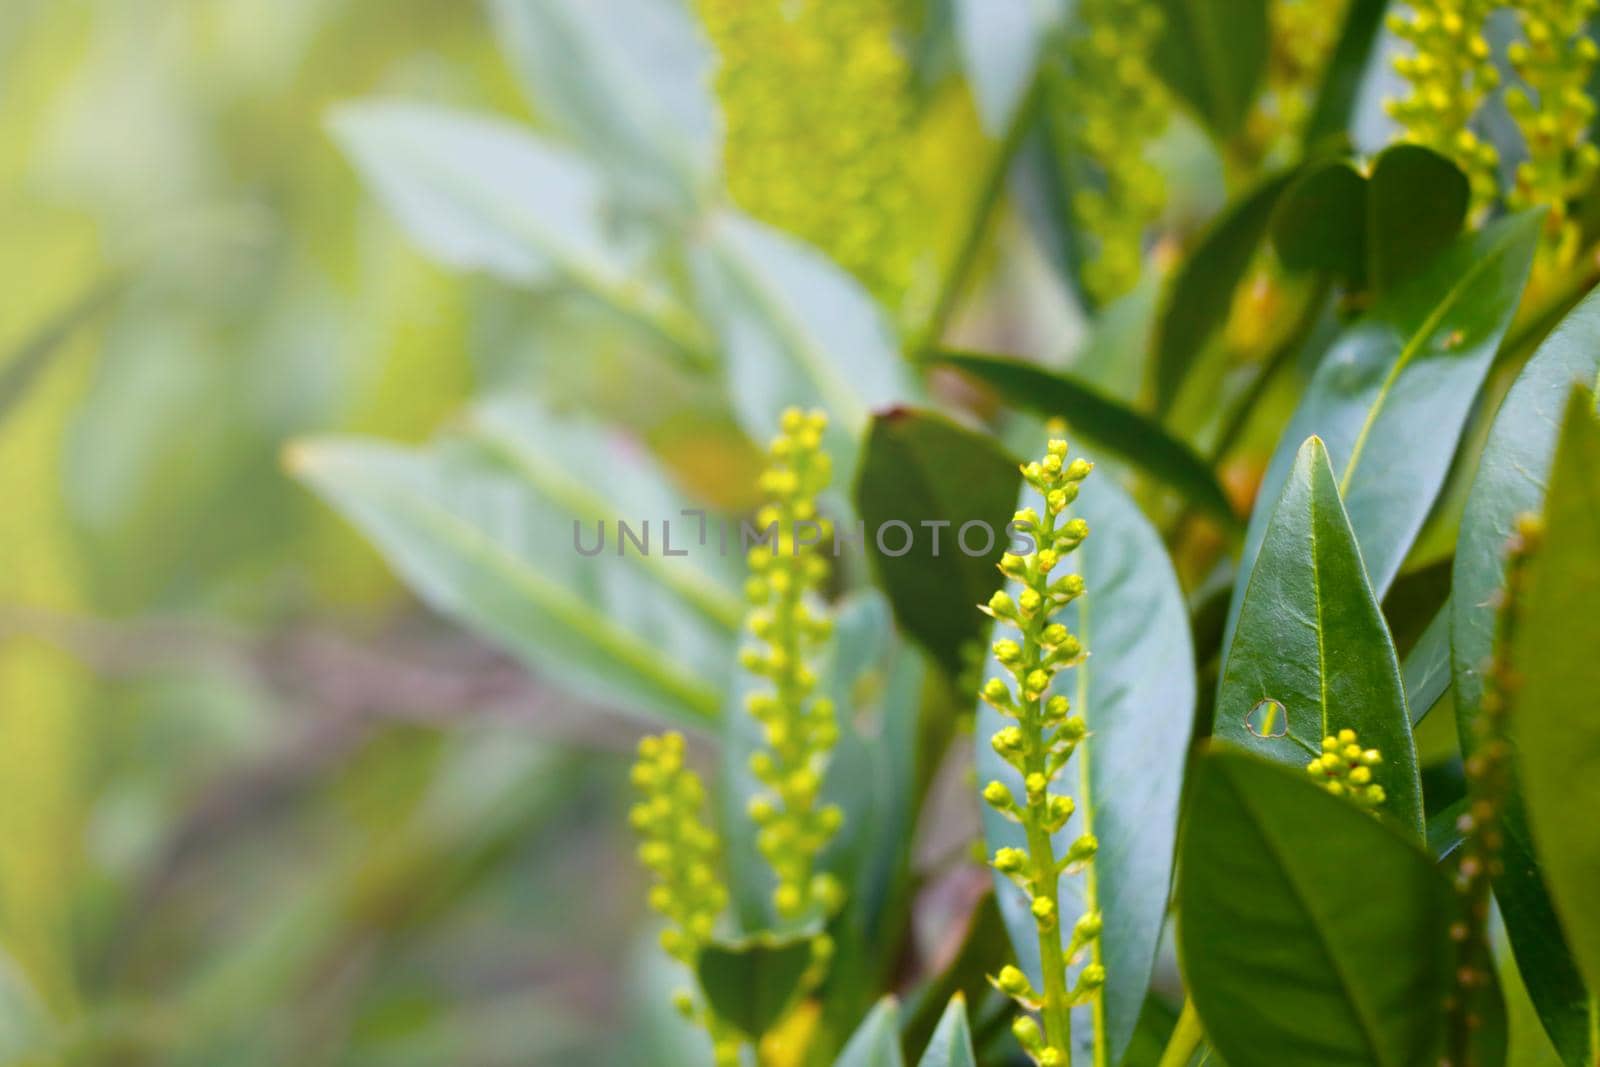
(1269, 718)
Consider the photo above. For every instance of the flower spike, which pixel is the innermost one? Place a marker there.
(1037, 744)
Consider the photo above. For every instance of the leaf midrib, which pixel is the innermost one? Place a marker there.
(1414, 345)
(566, 608)
(709, 599)
(1367, 1026)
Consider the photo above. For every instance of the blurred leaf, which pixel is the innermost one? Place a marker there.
(1311, 655)
(1391, 396)
(1001, 42)
(951, 1045)
(1136, 691)
(1213, 55)
(1372, 232)
(25, 1025)
(1511, 479)
(796, 330)
(983, 952)
(481, 194)
(752, 983)
(919, 468)
(494, 543)
(21, 367)
(1334, 111)
(1106, 423)
(1309, 931)
(626, 79)
(1199, 299)
(876, 1043)
(1556, 730)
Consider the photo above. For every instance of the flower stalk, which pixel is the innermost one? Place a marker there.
(1488, 772)
(1038, 744)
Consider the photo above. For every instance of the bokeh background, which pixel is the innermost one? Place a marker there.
(257, 807)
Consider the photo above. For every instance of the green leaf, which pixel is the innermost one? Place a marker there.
(1511, 480)
(1312, 655)
(1334, 112)
(1426, 670)
(1554, 721)
(1136, 691)
(752, 983)
(482, 525)
(919, 468)
(1106, 423)
(876, 1043)
(1391, 396)
(1001, 42)
(1372, 232)
(951, 1045)
(1309, 932)
(796, 330)
(1197, 303)
(1213, 55)
(480, 194)
(629, 80)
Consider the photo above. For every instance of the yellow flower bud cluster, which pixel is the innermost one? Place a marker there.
(818, 102)
(799, 727)
(1304, 35)
(683, 853)
(1113, 106)
(1555, 59)
(677, 846)
(1038, 741)
(1345, 769)
(1451, 72)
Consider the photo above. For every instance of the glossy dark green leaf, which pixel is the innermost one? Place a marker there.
(1391, 396)
(1372, 232)
(482, 525)
(1556, 726)
(796, 329)
(951, 1044)
(1213, 55)
(1311, 655)
(1426, 670)
(1511, 479)
(935, 499)
(1199, 299)
(1332, 115)
(752, 983)
(876, 1042)
(1105, 423)
(1136, 690)
(1308, 931)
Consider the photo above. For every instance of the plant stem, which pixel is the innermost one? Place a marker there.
(1186, 1037)
(989, 196)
